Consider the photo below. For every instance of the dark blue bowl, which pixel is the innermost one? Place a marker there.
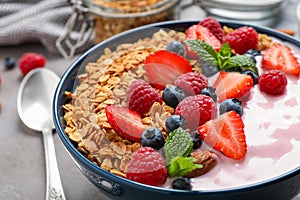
(283, 187)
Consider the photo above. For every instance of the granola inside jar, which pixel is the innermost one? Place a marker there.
(115, 16)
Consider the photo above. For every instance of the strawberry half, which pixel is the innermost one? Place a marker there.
(281, 58)
(127, 123)
(232, 85)
(163, 67)
(202, 33)
(225, 134)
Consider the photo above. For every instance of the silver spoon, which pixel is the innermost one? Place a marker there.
(34, 105)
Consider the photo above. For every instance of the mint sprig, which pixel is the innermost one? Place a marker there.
(181, 166)
(178, 143)
(222, 59)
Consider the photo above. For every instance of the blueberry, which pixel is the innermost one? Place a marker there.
(208, 69)
(231, 104)
(182, 183)
(196, 140)
(152, 137)
(176, 47)
(175, 121)
(172, 95)
(252, 53)
(211, 92)
(10, 63)
(253, 75)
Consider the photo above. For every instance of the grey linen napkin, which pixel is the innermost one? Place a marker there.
(43, 21)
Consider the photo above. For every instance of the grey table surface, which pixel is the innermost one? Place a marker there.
(22, 164)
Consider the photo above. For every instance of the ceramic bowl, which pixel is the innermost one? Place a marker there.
(285, 186)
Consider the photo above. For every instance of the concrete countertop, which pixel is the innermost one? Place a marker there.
(22, 164)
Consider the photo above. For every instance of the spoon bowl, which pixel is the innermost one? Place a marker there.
(34, 105)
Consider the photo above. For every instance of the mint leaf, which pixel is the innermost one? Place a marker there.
(224, 56)
(180, 166)
(242, 62)
(178, 143)
(204, 50)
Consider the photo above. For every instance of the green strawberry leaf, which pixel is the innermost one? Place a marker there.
(178, 143)
(180, 166)
(223, 58)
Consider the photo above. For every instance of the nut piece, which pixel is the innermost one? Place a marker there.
(206, 159)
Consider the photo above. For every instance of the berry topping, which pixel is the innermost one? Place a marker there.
(164, 67)
(9, 63)
(198, 32)
(253, 53)
(196, 110)
(192, 82)
(152, 137)
(197, 142)
(231, 104)
(140, 96)
(30, 61)
(226, 134)
(176, 47)
(214, 26)
(280, 57)
(174, 121)
(272, 82)
(242, 39)
(125, 122)
(253, 75)
(211, 92)
(182, 183)
(147, 166)
(172, 95)
(232, 85)
(207, 69)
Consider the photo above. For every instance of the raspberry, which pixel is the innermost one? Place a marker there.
(272, 82)
(147, 166)
(196, 110)
(214, 26)
(30, 61)
(140, 96)
(242, 39)
(192, 82)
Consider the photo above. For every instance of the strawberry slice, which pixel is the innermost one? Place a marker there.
(127, 123)
(163, 67)
(200, 32)
(232, 85)
(280, 57)
(226, 134)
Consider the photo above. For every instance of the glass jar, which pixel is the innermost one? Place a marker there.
(115, 16)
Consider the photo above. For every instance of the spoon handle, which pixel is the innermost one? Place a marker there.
(54, 190)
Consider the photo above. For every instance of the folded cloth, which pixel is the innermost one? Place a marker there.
(43, 21)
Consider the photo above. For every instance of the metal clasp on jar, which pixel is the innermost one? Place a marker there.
(67, 45)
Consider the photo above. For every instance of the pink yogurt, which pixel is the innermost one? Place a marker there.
(272, 129)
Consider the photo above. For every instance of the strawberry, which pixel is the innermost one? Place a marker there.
(281, 58)
(232, 85)
(147, 166)
(140, 96)
(214, 26)
(202, 33)
(127, 123)
(163, 67)
(226, 134)
(242, 39)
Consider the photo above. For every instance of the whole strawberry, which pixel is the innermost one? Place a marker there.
(140, 96)
(242, 39)
(196, 110)
(30, 61)
(192, 82)
(214, 26)
(147, 166)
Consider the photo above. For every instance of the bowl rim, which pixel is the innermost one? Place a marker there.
(96, 169)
